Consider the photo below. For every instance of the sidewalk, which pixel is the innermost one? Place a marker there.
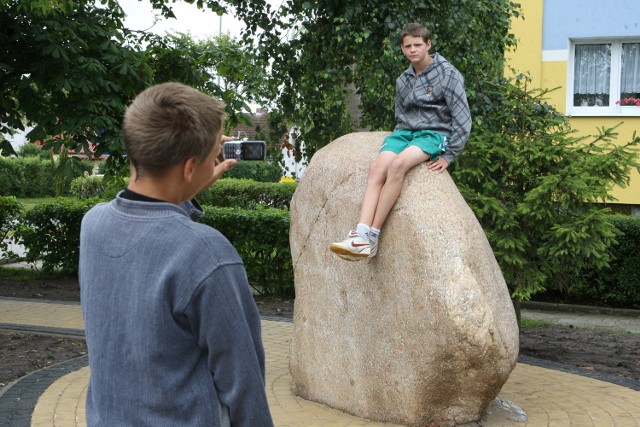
(584, 316)
(548, 395)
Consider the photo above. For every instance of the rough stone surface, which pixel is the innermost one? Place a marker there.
(424, 333)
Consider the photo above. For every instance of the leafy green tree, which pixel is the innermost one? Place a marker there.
(317, 50)
(535, 186)
(32, 150)
(70, 67)
(221, 67)
(530, 181)
(6, 149)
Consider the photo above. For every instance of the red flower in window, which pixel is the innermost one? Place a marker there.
(629, 102)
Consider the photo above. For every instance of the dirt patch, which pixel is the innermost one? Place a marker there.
(601, 351)
(58, 289)
(610, 353)
(22, 353)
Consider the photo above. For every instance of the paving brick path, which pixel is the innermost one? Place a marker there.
(551, 397)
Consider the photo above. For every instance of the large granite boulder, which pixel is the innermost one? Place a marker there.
(424, 333)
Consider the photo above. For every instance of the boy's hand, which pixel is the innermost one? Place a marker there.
(437, 165)
(221, 165)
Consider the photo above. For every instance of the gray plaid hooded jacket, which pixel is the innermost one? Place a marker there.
(435, 100)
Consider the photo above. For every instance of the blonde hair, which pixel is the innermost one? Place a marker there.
(415, 30)
(168, 123)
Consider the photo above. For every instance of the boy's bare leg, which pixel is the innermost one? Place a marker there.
(396, 172)
(375, 182)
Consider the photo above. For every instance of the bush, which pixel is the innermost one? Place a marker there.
(261, 237)
(10, 210)
(51, 233)
(32, 150)
(617, 285)
(257, 171)
(28, 177)
(247, 194)
(86, 187)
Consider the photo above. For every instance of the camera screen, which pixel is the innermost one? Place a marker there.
(245, 150)
(253, 150)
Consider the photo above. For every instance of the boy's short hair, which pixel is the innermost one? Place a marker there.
(168, 123)
(415, 29)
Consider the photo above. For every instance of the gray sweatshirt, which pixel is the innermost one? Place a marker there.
(435, 100)
(172, 328)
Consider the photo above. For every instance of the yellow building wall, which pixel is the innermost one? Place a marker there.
(527, 58)
(588, 126)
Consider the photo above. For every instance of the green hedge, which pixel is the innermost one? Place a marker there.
(50, 233)
(33, 150)
(26, 177)
(10, 210)
(227, 192)
(261, 237)
(248, 194)
(615, 286)
(96, 186)
(257, 171)
(29, 177)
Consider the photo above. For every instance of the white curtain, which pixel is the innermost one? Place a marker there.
(630, 83)
(592, 75)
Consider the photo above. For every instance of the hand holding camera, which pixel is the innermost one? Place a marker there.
(245, 150)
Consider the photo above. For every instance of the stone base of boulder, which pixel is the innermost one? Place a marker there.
(422, 334)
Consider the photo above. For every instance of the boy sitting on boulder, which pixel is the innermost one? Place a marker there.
(433, 124)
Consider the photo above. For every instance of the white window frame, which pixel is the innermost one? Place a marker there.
(614, 85)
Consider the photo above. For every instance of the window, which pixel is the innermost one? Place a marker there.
(601, 74)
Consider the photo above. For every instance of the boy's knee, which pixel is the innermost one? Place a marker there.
(398, 167)
(377, 170)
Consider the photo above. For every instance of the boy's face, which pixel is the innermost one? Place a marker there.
(416, 50)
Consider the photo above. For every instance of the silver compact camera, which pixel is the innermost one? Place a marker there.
(245, 150)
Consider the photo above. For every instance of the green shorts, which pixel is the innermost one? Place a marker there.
(430, 142)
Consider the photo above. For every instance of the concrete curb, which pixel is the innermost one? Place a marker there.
(574, 308)
(18, 399)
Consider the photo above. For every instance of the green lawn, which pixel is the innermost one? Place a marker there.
(31, 203)
(534, 323)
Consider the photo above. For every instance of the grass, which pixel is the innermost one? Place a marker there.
(526, 323)
(21, 274)
(33, 202)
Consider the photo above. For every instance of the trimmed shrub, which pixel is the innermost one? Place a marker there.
(247, 194)
(10, 210)
(32, 150)
(28, 177)
(617, 285)
(51, 233)
(226, 192)
(257, 171)
(96, 186)
(261, 237)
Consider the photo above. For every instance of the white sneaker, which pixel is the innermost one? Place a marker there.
(374, 249)
(350, 258)
(353, 246)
